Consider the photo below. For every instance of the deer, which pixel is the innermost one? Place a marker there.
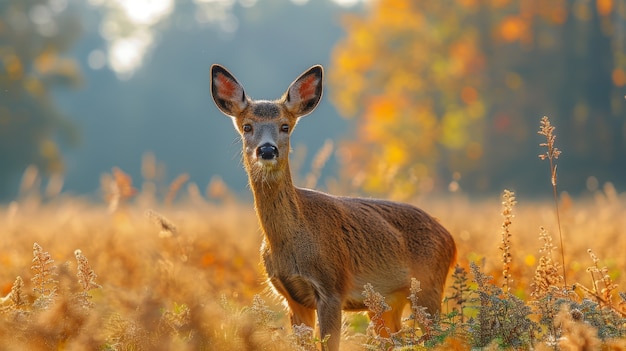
(320, 250)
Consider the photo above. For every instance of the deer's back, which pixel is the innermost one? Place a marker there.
(381, 223)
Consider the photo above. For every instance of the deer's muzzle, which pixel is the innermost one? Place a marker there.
(267, 151)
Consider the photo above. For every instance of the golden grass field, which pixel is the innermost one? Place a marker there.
(186, 276)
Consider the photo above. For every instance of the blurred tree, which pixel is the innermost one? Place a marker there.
(33, 36)
(445, 89)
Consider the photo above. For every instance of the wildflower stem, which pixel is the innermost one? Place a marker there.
(558, 220)
(547, 129)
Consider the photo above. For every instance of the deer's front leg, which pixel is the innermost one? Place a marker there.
(329, 316)
(300, 314)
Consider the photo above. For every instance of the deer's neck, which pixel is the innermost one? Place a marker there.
(276, 203)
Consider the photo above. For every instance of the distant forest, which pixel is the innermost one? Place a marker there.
(418, 95)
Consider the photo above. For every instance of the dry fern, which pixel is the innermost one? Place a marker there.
(86, 279)
(43, 279)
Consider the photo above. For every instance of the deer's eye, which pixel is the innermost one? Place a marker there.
(247, 128)
(284, 128)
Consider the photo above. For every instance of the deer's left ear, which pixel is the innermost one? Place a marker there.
(305, 92)
(227, 93)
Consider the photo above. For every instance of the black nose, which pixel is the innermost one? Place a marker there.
(267, 151)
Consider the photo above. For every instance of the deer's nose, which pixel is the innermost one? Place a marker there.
(267, 151)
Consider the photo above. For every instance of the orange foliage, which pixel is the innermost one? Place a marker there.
(429, 80)
(605, 7)
(391, 71)
(619, 77)
(513, 28)
(469, 95)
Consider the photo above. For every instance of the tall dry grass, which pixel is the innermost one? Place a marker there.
(133, 272)
(186, 276)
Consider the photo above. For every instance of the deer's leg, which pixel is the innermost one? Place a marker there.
(391, 321)
(329, 316)
(300, 314)
(393, 318)
(432, 301)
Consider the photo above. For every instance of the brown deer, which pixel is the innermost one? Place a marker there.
(319, 250)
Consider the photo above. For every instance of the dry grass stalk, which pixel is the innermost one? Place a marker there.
(167, 227)
(149, 166)
(55, 185)
(577, 335)
(318, 163)
(195, 196)
(178, 318)
(547, 289)
(43, 279)
(30, 179)
(86, 279)
(219, 190)
(552, 154)
(547, 130)
(17, 296)
(15, 299)
(418, 312)
(175, 187)
(605, 279)
(375, 303)
(86, 275)
(460, 290)
(303, 338)
(600, 277)
(547, 274)
(117, 188)
(508, 202)
(124, 334)
(261, 313)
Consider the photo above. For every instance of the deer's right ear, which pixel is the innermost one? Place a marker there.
(227, 93)
(305, 92)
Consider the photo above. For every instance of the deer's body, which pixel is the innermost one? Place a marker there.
(320, 250)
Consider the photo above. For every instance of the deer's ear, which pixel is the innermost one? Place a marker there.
(305, 92)
(227, 93)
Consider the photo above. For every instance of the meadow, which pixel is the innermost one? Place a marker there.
(182, 273)
(168, 267)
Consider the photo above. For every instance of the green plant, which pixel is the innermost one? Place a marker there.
(502, 317)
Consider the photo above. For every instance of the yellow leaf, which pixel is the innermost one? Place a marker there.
(13, 67)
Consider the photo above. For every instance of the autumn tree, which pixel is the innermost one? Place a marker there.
(34, 35)
(454, 89)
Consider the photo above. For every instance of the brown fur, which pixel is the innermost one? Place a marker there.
(319, 250)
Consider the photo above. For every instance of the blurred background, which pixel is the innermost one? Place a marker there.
(421, 96)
